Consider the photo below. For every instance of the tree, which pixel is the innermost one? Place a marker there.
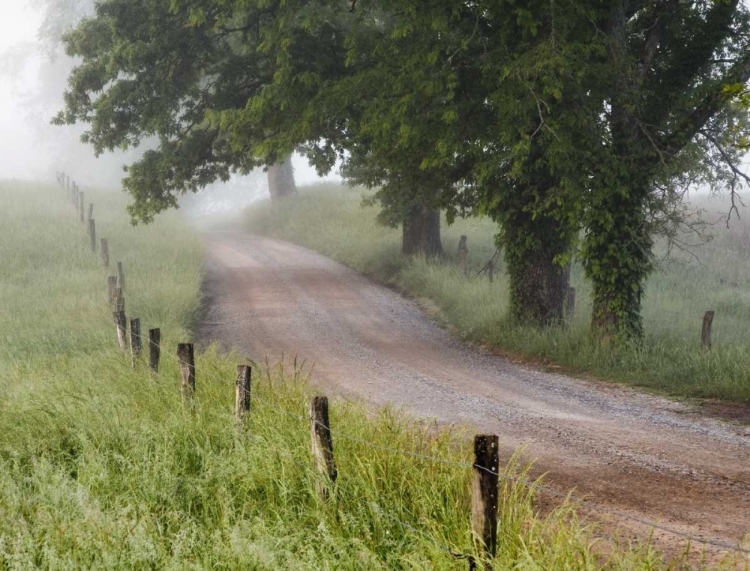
(180, 75)
(223, 87)
(445, 100)
(667, 70)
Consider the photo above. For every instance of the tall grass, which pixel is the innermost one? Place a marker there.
(102, 467)
(331, 220)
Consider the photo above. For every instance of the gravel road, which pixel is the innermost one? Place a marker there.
(644, 455)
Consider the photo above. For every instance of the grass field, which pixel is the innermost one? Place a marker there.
(331, 220)
(103, 467)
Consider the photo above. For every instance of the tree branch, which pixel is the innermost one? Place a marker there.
(736, 172)
(739, 73)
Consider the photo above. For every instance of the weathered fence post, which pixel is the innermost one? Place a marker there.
(154, 349)
(120, 275)
(463, 251)
(322, 446)
(186, 356)
(242, 392)
(135, 339)
(708, 319)
(491, 270)
(121, 325)
(91, 211)
(119, 299)
(104, 253)
(81, 209)
(570, 302)
(92, 234)
(112, 290)
(485, 490)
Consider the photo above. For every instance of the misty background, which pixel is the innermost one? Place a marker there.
(33, 76)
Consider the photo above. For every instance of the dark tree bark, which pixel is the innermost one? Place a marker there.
(281, 179)
(421, 232)
(538, 292)
(538, 283)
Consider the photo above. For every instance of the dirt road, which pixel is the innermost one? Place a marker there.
(644, 455)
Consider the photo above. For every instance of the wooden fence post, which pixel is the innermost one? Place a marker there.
(463, 250)
(708, 319)
(570, 302)
(104, 253)
(91, 211)
(112, 290)
(485, 490)
(121, 325)
(92, 234)
(81, 209)
(119, 299)
(67, 183)
(491, 270)
(120, 275)
(154, 349)
(135, 339)
(186, 356)
(242, 392)
(322, 446)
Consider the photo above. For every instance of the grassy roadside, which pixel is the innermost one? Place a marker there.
(330, 219)
(102, 467)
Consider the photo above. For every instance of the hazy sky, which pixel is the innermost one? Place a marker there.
(17, 24)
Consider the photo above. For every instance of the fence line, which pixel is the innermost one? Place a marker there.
(64, 181)
(586, 504)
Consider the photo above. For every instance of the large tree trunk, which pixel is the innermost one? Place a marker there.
(421, 232)
(538, 291)
(618, 260)
(618, 245)
(538, 281)
(281, 179)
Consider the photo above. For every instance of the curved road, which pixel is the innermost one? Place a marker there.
(640, 454)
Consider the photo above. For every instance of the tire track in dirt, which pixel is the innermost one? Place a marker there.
(641, 454)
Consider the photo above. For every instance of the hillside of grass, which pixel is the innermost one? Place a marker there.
(715, 276)
(102, 466)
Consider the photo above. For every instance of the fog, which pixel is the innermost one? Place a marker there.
(31, 88)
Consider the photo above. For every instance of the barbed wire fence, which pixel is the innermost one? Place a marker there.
(485, 468)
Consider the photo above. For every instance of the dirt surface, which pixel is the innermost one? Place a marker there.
(646, 456)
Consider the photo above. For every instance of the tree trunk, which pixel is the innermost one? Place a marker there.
(617, 248)
(281, 179)
(617, 260)
(538, 282)
(538, 291)
(421, 232)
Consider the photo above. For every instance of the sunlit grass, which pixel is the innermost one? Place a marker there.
(103, 467)
(331, 220)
